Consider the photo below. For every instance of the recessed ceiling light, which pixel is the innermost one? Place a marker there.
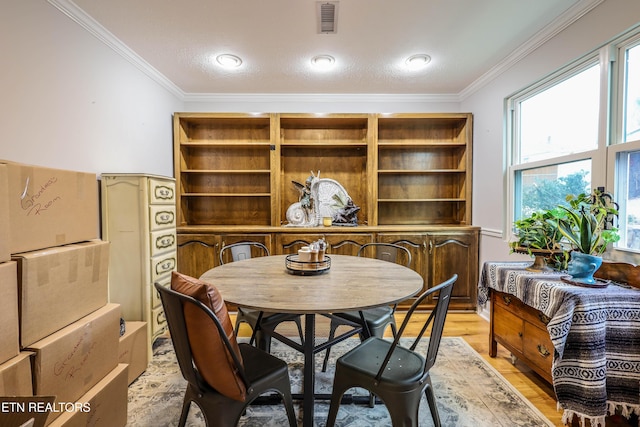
(227, 60)
(323, 62)
(418, 61)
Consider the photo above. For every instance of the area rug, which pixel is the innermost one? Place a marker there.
(470, 393)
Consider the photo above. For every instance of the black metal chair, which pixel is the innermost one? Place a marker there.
(259, 371)
(376, 320)
(398, 375)
(240, 251)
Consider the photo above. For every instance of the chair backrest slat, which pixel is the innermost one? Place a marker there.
(242, 250)
(390, 252)
(436, 320)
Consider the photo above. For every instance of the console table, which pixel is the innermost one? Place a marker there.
(593, 342)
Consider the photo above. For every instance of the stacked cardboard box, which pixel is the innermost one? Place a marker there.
(58, 333)
(133, 349)
(71, 362)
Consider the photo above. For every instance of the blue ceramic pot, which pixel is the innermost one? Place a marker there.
(582, 266)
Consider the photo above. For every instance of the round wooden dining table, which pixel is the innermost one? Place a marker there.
(350, 284)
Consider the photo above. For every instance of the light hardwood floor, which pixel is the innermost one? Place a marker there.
(475, 330)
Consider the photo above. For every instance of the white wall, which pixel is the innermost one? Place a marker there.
(606, 21)
(71, 102)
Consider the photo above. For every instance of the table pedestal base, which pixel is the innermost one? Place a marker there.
(309, 349)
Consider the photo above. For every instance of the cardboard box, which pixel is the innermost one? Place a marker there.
(57, 286)
(105, 405)
(15, 376)
(9, 346)
(69, 362)
(5, 253)
(48, 207)
(133, 349)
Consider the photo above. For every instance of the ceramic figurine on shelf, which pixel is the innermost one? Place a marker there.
(306, 199)
(347, 214)
(321, 198)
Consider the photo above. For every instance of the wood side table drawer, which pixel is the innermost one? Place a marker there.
(509, 303)
(508, 327)
(538, 347)
(523, 331)
(535, 317)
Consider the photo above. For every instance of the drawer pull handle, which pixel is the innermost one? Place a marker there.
(543, 350)
(544, 318)
(520, 334)
(506, 299)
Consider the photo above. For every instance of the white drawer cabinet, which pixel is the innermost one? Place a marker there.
(139, 220)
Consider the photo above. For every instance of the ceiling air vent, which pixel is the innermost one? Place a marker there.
(327, 17)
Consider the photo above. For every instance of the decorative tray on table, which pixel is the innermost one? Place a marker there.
(307, 268)
(599, 283)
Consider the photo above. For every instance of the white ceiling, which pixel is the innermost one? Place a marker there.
(466, 39)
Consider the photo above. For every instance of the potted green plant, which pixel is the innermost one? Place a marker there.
(538, 236)
(587, 228)
(586, 225)
(553, 236)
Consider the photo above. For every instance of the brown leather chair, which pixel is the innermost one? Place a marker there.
(223, 377)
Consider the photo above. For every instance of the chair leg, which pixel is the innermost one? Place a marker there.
(405, 413)
(332, 333)
(185, 412)
(263, 341)
(186, 405)
(431, 399)
(287, 400)
(334, 405)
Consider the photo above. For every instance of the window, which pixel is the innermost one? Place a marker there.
(556, 135)
(631, 89)
(561, 119)
(577, 130)
(545, 187)
(625, 156)
(628, 195)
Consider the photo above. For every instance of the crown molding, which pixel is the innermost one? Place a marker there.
(319, 98)
(570, 16)
(76, 14)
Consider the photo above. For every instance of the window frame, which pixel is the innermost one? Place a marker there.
(611, 124)
(513, 154)
(618, 144)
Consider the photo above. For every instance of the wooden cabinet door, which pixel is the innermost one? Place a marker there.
(416, 245)
(451, 253)
(290, 243)
(197, 253)
(337, 243)
(347, 244)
